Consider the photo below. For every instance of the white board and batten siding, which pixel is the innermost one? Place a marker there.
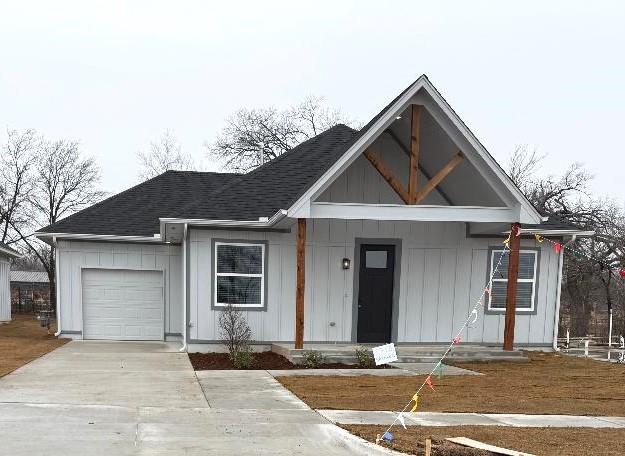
(443, 273)
(5, 288)
(142, 276)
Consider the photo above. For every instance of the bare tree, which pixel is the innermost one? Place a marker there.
(236, 335)
(16, 182)
(164, 154)
(252, 137)
(64, 182)
(592, 264)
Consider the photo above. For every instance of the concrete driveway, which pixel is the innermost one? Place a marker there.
(116, 398)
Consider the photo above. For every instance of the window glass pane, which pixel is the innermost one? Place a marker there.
(498, 295)
(525, 290)
(375, 259)
(238, 290)
(502, 270)
(524, 293)
(240, 259)
(526, 265)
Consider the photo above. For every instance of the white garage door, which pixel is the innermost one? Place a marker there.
(122, 304)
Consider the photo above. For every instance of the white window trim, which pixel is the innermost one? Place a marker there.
(235, 274)
(532, 281)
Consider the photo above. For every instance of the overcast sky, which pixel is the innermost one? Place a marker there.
(116, 74)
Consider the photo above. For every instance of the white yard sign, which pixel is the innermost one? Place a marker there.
(384, 354)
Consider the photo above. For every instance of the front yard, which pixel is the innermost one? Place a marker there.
(23, 340)
(548, 384)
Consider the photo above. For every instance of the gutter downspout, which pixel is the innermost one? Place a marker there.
(185, 326)
(58, 294)
(556, 318)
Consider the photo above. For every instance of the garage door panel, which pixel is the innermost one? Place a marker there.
(123, 304)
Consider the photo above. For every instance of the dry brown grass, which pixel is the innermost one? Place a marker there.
(23, 340)
(548, 384)
(539, 441)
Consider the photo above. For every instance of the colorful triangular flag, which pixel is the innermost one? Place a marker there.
(507, 240)
(621, 272)
(387, 436)
(400, 418)
(428, 382)
(557, 247)
(539, 238)
(456, 340)
(415, 398)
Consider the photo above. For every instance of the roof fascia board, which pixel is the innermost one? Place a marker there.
(528, 214)
(98, 237)
(10, 252)
(271, 222)
(423, 213)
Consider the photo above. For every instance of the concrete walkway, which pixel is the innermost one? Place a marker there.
(99, 398)
(472, 419)
(399, 370)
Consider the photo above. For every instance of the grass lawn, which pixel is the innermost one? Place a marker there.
(539, 441)
(548, 384)
(23, 340)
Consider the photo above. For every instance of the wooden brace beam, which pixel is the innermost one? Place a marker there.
(415, 133)
(438, 177)
(387, 175)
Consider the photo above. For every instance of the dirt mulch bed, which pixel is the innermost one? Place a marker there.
(262, 361)
(538, 441)
(23, 340)
(548, 384)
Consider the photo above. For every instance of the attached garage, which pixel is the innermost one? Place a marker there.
(123, 304)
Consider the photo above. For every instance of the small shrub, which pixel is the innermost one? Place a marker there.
(313, 359)
(364, 358)
(236, 335)
(243, 359)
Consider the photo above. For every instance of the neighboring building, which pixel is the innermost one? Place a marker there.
(6, 254)
(30, 291)
(384, 234)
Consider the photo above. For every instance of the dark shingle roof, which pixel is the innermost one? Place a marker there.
(136, 211)
(275, 185)
(219, 196)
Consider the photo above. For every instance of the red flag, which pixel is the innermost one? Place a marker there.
(621, 272)
(428, 382)
(557, 247)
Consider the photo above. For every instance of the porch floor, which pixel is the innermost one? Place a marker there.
(406, 353)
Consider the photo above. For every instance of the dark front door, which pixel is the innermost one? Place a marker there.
(375, 292)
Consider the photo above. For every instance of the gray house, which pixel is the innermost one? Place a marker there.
(6, 254)
(388, 233)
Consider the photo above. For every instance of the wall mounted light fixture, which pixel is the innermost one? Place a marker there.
(346, 263)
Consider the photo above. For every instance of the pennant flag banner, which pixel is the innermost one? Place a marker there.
(387, 436)
(400, 418)
(557, 247)
(507, 241)
(428, 382)
(539, 238)
(474, 315)
(415, 398)
(457, 340)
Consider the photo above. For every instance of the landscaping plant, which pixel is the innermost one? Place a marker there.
(236, 335)
(313, 359)
(364, 358)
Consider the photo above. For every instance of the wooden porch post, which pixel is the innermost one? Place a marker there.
(513, 273)
(301, 282)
